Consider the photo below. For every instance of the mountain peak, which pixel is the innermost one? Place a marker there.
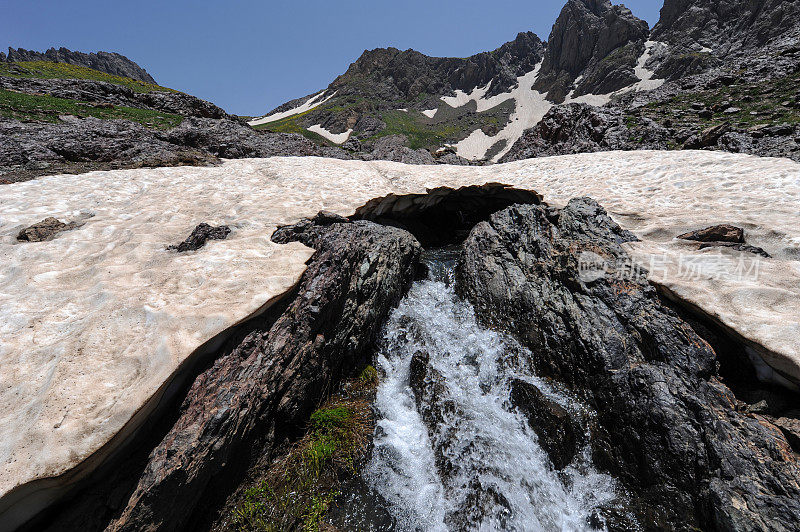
(595, 39)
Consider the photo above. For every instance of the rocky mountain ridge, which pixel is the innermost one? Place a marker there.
(108, 62)
(598, 54)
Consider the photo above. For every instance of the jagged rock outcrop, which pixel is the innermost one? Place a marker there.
(727, 26)
(668, 427)
(76, 145)
(110, 63)
(751, 38)
(260, 393)
(596, 40)
(581, 128)
(404, 75)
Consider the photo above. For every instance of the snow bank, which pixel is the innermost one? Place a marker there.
(430, 113)
(94, 323)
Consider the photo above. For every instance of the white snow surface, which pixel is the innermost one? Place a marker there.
(94, 323)
(314, 101)
(430, 113)
(336, 138)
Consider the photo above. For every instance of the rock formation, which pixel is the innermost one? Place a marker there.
(595, 40)
(255, 395)
(673, 431)
(110, 63)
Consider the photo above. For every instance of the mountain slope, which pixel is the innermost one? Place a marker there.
(57, 117)
(598, 55)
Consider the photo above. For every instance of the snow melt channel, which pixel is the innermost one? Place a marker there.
(488, 446)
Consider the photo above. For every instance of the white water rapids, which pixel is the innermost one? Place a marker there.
(485, 441)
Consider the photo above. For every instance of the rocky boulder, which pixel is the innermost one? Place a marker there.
(559, 434)
(716, 233)
(200, 235)
(45, 230)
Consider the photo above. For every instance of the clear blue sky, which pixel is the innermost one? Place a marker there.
(250, 56)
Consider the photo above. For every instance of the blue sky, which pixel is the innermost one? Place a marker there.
(250, 56)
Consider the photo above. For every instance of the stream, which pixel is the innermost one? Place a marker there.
(472, 463)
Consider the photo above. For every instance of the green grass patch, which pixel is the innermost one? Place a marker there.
(761, 104)
(48, 70)
(43, 108)
(297, 490)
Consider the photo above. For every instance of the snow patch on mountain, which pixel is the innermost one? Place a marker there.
(336, 138)
(430, 113)
(645, 75)
(532, 105)
(311, 103)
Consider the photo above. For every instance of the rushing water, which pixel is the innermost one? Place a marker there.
(487, 445)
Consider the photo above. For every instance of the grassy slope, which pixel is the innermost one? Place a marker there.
(421, 131)
(46, 70)
(42, 108)
(297, 489)
(761, 104)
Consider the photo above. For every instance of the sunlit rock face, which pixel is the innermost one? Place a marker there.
(97, 322)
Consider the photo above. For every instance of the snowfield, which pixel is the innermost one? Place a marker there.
(95, 323)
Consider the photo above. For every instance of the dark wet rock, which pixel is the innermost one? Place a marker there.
(666, 426)
(738, 247)
(200, 235)
(596, 40)
(243, 406)
(716, 233)
(308, 230)
(110, 63)
(47, 229)
(559, 434)
(791, 429)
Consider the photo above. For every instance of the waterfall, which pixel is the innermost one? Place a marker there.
(479, 467)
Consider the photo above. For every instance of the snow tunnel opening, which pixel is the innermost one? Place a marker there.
(444, 216)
